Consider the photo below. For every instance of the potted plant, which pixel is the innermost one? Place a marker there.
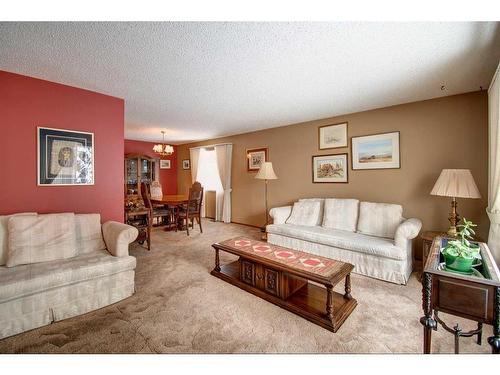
(460, 254)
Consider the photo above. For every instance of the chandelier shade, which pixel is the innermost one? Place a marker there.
(163, 149)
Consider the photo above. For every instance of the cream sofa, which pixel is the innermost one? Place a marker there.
(374, 237)
(57, 266)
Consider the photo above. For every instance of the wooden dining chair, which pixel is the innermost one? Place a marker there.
(192, 209)
(159, 212)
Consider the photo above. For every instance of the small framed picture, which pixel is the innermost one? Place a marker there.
(330, 168)
(65, 157)
(186, 164)
(164, 164)
(377, 151)
(332, 136)
(255, 157)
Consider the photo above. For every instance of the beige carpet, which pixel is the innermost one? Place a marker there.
(180, 308)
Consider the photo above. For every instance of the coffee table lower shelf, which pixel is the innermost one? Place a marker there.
(308, 301)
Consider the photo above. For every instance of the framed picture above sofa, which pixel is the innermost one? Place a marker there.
(332, 136)
(330, 168)
(65, 157)
(255, 157)
(377, 151)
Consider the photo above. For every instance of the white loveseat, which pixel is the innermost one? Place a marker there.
(374, 237)
(57, 266)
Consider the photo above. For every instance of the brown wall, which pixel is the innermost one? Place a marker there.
(449, 132)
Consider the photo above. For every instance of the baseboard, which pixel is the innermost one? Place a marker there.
(247, 225)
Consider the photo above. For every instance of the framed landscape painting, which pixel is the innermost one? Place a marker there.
(332, 136)
(165, 164)
(65, 157)
(330, 168)
(255, 157)
(378, 151)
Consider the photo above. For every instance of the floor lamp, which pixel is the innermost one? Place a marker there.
(266, 173)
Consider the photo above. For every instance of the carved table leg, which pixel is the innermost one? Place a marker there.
(329, 302)
(348, 287)
(217, 262)
(427, 321)
(494, 340)
(480, 333)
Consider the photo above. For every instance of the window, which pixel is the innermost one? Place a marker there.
(208, 172)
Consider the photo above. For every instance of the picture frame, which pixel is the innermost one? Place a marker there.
(333, 168)
(65, 157)
(255, 157)
(376, 151)
(186, 164)
(333, 136)
(165, 164)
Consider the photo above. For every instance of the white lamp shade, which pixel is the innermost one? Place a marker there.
(457, 183)
(266, 172)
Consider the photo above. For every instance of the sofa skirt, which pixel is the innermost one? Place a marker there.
(52, 305)
(392, 270)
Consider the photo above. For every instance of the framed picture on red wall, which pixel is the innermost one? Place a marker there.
(65, 157)
(165, 164)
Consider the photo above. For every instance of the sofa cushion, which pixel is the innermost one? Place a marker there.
(321, 207)
(358, 242)
(341, 214)
(88, 233)
(33, 278)
(379, 219)
(4, 231)
(305, 213)
(40, 238)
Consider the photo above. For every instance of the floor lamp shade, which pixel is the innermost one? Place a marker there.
(455, 183)
(266, 172)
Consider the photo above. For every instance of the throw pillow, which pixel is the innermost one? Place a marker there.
(379, 219)
(304, 213)
(41, 238)
(321, 205)
(341, 214)
(88, 233)
(4, 235)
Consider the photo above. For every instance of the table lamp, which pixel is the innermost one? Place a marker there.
(265, 173)
(455, 183)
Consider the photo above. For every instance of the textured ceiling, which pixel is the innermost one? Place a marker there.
(207, 79)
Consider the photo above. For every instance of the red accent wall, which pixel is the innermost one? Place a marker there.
(168, 177)
(26, 103)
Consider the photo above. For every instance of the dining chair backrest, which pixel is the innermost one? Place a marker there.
(195, 198)
(146, 195)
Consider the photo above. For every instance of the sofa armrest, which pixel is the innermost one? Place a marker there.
(118, 236)
(280, 214)
(407, 230)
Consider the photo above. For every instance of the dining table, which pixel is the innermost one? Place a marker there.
(173, 201)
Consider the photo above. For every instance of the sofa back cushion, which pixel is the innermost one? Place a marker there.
(341, 214)
(41, 238)
(4, 235)
(321, 207)
(88, 233)
(379, 219)
(305, 213)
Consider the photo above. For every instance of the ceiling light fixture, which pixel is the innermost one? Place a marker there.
(163, 149)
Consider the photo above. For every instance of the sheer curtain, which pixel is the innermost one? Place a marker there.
(208, 173)
(493, 209)
(194, 155)
(223, 200)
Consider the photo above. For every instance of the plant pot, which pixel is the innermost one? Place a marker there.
(458, 263)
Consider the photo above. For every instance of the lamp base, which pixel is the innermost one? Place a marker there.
(452, 232)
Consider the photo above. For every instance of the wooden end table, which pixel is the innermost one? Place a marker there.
(282, 276)
(141, 219)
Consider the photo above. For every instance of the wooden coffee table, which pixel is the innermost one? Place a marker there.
(283, 276)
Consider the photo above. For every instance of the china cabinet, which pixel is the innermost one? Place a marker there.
(138, 168)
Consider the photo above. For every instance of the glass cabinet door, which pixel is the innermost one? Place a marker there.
(131, 175)
(145, 170)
